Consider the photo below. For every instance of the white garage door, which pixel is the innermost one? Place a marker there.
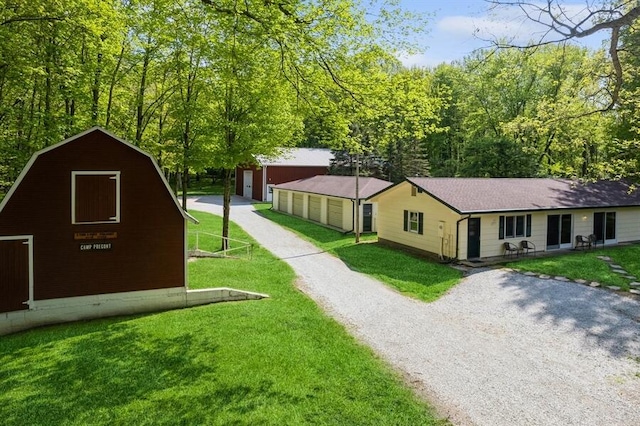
(283, 200)
(315, 209)
(334, 216)
(298, 203)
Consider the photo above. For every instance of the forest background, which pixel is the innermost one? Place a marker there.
(205, 85)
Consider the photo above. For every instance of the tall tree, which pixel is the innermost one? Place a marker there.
(597, 16)
(252, 116)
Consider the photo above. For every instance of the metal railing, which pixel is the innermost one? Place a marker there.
(205, 244)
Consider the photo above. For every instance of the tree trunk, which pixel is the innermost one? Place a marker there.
(95, 90)
(356, 226)
(114, 79)
(140, 101)
(226, 207)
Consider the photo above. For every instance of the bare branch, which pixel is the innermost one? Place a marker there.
(555, 19)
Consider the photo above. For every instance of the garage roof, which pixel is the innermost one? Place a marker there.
(336, 186)
(311, 157)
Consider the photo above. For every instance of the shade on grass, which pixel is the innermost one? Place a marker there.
(413, 276)
(277, 361)
(586, 265)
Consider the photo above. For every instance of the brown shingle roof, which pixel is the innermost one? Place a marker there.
(336, 186)
(475, 195)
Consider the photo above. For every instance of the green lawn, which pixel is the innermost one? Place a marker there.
(277, 361)
(203, 187)
(585, 265)
(413, 276)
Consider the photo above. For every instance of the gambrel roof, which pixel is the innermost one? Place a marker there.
(42, 152)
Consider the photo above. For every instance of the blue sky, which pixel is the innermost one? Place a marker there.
(454, 22)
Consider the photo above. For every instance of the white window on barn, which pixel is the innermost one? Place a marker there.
(95, 197)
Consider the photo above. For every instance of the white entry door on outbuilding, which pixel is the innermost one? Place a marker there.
(247, 184)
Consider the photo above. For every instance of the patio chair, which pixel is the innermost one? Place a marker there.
(527, 246)
(582, 242)
(510, 249)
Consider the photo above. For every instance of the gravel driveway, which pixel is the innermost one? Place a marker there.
(499, 349)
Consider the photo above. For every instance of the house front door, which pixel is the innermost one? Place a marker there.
(558, 231)
(367, 217)
(473, 239)
(247, 184)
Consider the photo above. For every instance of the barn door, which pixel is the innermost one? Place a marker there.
(14, 273)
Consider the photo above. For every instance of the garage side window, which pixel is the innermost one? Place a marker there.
(414, 222)
(95, 197)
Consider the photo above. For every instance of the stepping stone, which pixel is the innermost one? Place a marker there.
(561, 279)
(605, 258)
(544, 277)
(614, 266)
(530, 274)
(580, 281)
(635, 284)
(634, 291)
(620, 271)
(594, 284)
(630, 277)
(613, 287)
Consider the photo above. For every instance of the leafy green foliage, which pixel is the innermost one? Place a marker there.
(274, 361)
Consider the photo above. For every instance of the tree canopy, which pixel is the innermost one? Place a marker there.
(206, 84)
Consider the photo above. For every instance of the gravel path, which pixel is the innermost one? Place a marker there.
(500, 349)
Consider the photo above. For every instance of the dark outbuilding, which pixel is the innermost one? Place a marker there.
(90, 228)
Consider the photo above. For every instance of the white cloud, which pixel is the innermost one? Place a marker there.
(508, 23)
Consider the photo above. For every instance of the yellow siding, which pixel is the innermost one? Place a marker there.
(390, 220)
(490, 243)
(628, 224)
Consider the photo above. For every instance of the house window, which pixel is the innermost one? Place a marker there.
(516, 226)
(95, 197)
(414, 222)
(414, 191)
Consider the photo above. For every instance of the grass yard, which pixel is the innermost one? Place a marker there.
(587, 266)
(408, 274)
(277, 361)
(203, 187)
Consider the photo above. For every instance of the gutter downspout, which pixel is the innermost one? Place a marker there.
(353, 228)
(458, 234)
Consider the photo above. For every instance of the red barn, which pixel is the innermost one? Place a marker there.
(256, 181)
(90, 228)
